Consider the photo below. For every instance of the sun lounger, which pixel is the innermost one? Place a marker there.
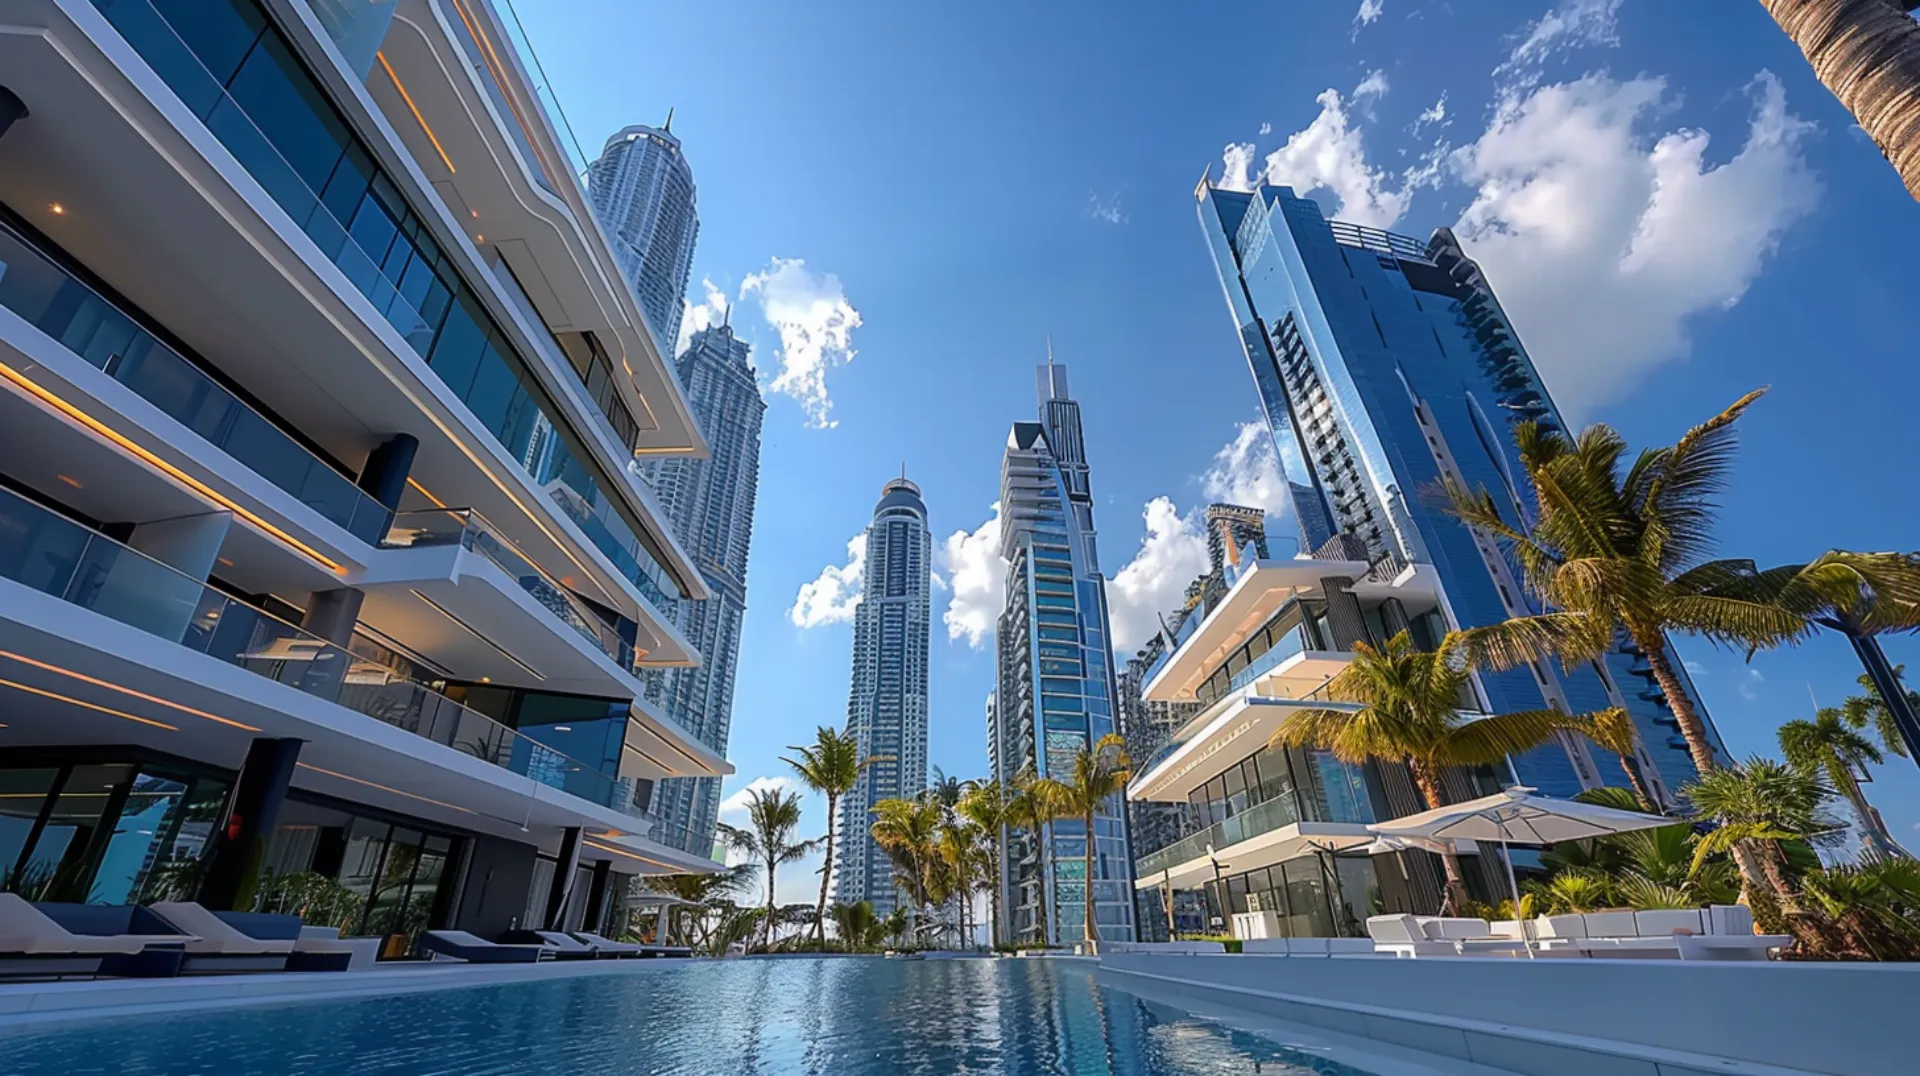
(31, 943)
(564, 946)
(460, 945)
(220, 947)
(1405, 936)
(608, 947)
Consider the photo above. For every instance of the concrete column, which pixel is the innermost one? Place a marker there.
(233, 871)
(384, 478)
(660, 931)
(11, 109)
(597, 897)
(332, 614)
(563, 878)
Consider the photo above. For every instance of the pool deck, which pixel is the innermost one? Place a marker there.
(88, 999)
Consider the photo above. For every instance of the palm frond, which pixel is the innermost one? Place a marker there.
(1570, 636)
(1487, 740)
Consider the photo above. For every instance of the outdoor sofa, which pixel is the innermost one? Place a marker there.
(460, 945)
(34, 943)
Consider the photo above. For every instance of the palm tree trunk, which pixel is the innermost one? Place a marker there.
(1654, 645)
(1640, 791)
(1045, 930)
(1867, 52)
(1093, 930)
(1429, 785)
(826, 875)
(768, 946)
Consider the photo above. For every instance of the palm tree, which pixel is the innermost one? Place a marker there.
(1867, 52)
(1832, 745)
(1614, 731)
(985, 806)
(1872, 708)
(1031, 807)
(1402, 704)
(945, 790)
(831, 766)
(858, 927)
(767, 839)
(907, 831)
(704, 891)
(1761, 803)
(1099, 774)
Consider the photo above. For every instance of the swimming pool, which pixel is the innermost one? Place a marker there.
(847, 1017)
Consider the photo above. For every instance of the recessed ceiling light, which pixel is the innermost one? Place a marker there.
(479, 238)
(475, 212)
(70, 480)
(224, 561)
(58, 209)
(486, 679)
(563, 728)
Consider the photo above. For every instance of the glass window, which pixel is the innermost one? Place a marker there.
(285, 105)
(1307, 899)
(220, 32)
(23, 794)
(493, 385)
(59, 866)
(137, 837)
(534, 917)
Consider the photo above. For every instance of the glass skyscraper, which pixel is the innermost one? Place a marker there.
(710, 505)
(1055, 692)
(1387, 364)
(887, 695)
(643, 194)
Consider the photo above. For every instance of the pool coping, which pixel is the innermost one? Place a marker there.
(34, 1004)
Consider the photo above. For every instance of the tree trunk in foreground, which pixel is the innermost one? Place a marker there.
(1867, 52)
(826, 875)
(1093, 930)
(1429, 785)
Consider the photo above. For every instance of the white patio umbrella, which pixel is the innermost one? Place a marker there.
(1517, 816)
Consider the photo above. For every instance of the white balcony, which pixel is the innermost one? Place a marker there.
(1221, 735)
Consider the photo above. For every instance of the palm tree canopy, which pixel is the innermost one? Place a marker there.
(830, 765)
(1406, 703)
(1871, 709)
(1618, 543)
(1098, 774)
(772, 816)
(1829, 744)
(1764, 794)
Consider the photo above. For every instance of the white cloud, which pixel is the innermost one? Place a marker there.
(709, 311)
(1574, 24)
(1694, 668)
(1435, 116)
(832, 596)
(1266, 129)
(979, 577)
(1172, 554)
(733, 809)
(1330, 153)
(1603, 244)
(1246, 471)
(1237, 164)
(1750, 685)
(1106, 209)
(1368, 14)
(815, 321)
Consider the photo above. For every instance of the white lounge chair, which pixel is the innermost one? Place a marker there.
(1403, 935)
(33, 944)
(216, 946)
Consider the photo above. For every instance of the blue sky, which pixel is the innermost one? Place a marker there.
(906, 200)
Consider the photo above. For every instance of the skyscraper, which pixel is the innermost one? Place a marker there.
(887, 698)
(710, 505)
(1384, 365)
(1233, 530)
(1055, 686)
(643, 194)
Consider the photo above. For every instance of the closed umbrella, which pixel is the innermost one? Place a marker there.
(1517, 815)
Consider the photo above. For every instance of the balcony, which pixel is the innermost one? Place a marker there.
(53, 555)
(54, 300)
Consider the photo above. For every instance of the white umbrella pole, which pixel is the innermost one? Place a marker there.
(1513, 883)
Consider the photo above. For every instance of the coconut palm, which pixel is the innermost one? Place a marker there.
(768, 838)
(1032, 808)
(704, 892)
(945, 790)
(985, 807)
(1831, 744)
(908, 831)
(1867, 52)
(1873, 709)
(858, 927)
(831, 766)
(1614, 731)
(1099, 774)
(1402, 704)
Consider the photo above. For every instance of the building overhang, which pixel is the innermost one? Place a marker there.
(1267, 849)
(1218, 737)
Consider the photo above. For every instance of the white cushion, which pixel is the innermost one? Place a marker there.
(1611, 925)
(1394, 929)
(211, 934)
(1505, 928)
(1663, 922)
(1455, 929)
(1560, 926)
(26, 929)
(1729, 919)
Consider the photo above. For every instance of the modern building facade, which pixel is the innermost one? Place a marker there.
(887, 696)
(643, 195)
(1055, 690)
(321, 547)
(710, 505)
(1384, 365)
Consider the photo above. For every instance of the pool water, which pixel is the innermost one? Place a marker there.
(845, 1017)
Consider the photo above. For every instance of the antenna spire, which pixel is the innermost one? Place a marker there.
(1049, 349)
(669, 127)
(726, 317)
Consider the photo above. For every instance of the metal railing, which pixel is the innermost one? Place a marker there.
(1263, 817)
(52, 554)
(52, 299)
(1346, 233)
(464, 527)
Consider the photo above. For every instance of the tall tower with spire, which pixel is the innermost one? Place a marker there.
(643, 194)
(1054, 696)
(887, 693)
(709, 503)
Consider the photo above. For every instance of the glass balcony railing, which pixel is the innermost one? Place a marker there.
(58, 303)
(46, 551)
(1290, 645)
(468, 529)
(543, 88)
(1260, 818)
